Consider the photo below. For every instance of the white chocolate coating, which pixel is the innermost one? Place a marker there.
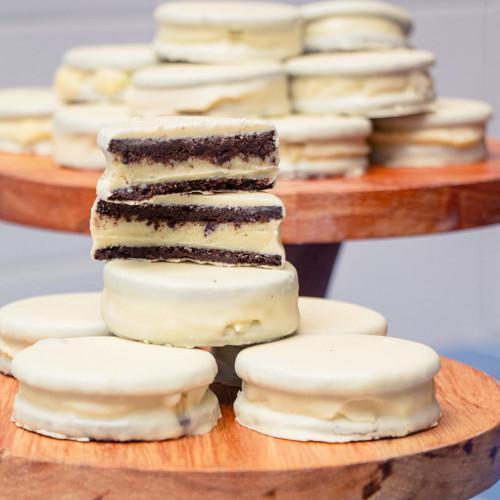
(225, 32)
(75, 133)
(24, 322)
(26, 102)
(84, 389)
(258, 89)
(189, 305)
(337, 388)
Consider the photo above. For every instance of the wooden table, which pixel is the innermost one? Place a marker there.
(455, 460)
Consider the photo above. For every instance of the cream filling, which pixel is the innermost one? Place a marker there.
(203, 43)
(255, 97)
(75, 85)
(359, 409)
(9, 347)
(253, 237)
(353, 32)
(26, 132)
(77, 150)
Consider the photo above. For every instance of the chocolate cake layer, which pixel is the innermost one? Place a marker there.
(216, 149)
(178, 214)
(146, 191)
(158, 254)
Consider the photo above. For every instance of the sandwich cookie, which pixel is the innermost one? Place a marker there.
(226, 229)
(110, 389)
(373, 84)
(224, 32)
(183, 154)
(191, 305)
(97, 73)
(252, 89)
(337, 388)
(27, 321)
(317, 316)
(354, 25)
(75, 133)
(26, 120)
(322, 146)
(451, 133)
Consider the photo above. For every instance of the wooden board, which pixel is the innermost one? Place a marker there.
(455, 460)
(383, 202)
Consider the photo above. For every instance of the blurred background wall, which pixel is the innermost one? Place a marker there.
(444, 290)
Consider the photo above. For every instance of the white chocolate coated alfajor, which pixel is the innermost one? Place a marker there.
(453, 132)
(190, 305)
(372, 84)
(26, 120)
(225, 32)
(322, 146)
(97, 73)
(317, 316)
(252, 89)
(75, 133)
(24, 322)
(354, 25)
(106, 388)
(337, 388)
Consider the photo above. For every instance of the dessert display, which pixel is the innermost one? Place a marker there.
(257, 89)
(224, 32)
(155, 156)
(75, 133)
(341, 25)
(228, 228)
(26, 120)
(25, 322)
(322, 146)
(100, 73)
(105, 388)
(451, 133)
(373, 84)
(337, 388)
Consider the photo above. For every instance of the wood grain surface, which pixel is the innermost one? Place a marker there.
(455, 460)
(383, 202)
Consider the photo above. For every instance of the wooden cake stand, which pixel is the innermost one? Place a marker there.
(455, 460)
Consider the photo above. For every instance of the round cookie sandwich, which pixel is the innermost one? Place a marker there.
(24, 322)
(224, 32)
(252, 89)
(110, 389)
(451, 133)
(337, 388)
(98, 73)
(317, 316)
(322, 146)
(26, 120)
(354, 25)
(372, 84)
(75, 133)
(191, 305)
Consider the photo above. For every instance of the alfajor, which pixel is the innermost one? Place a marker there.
(110, 389)
(451, 133)
(224, 32)
(372, 84)
(24, 322)
(322, 146)
(26, 120)
(100, 73)
(341, 25)
(253, 89)
(75, 133)
(337, 388)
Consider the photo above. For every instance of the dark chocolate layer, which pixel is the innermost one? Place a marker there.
(146, 191)
(216, 149)
(173, 215)
(158, 254)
